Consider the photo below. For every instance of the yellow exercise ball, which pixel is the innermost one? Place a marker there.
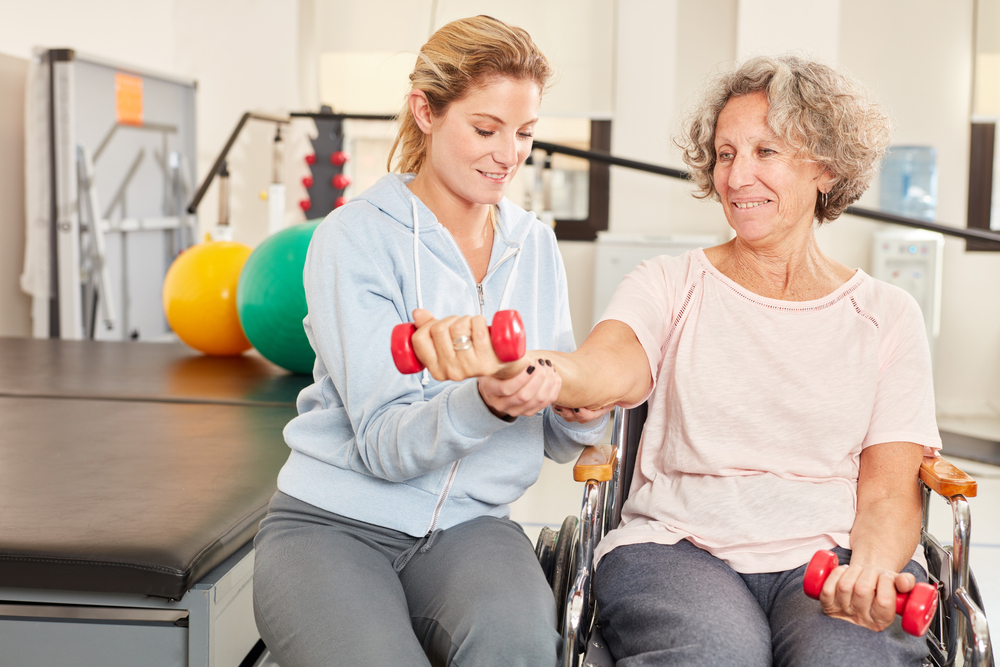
(199, 297)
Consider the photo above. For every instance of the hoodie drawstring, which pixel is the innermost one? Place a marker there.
(510, 281)
(425, 378)
(424, 545)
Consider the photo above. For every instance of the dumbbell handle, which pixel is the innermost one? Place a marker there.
(506, 334)
(916, 607)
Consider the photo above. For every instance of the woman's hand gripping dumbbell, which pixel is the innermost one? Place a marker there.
(916, 607)
(506, 335)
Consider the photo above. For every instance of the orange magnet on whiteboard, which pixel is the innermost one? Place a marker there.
(128, 99)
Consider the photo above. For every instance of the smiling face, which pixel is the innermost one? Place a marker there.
(475, 148)
(767, 191)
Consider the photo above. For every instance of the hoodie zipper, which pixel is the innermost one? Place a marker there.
(482, 311)
(507, 254)
(443, 497)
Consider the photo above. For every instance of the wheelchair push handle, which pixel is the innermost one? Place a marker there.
(506, 334)
(916, 607)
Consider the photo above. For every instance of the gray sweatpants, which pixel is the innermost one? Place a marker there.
(326, 592)
(679, 605)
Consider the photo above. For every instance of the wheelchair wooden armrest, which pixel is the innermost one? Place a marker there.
(597, 462)
(945, 479)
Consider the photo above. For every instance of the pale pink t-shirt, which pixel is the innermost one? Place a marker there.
(760, 409)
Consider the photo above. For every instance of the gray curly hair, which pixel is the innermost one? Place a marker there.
(824, 113)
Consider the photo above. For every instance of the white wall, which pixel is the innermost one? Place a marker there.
(137, 33)
(778, 26)
(15, 305)
(245, 57)
(665, 48)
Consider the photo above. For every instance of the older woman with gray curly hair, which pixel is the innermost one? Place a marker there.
(790, 399)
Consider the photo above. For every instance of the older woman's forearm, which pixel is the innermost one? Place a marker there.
(886, 535)
(887, 526)
(610, 367)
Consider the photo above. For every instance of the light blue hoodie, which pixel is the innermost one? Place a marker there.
(405, 451)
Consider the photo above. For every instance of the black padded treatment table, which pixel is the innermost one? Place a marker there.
(132, 480)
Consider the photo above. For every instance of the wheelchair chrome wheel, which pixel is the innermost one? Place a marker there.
(556, 552)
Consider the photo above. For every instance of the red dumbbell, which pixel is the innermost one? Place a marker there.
(307, 181)
(305, 204)
(338, 158)
(916, 607)
(339, 201)
(506, 334)
(341, 181)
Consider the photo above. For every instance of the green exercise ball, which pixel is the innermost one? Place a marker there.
(271, 299)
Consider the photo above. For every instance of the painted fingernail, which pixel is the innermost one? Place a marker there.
(576, 409)
(548, 363)
(541, 362)
(559, 410)
(531, 369)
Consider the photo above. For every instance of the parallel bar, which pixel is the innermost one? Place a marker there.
(965, 233)
(610, 159)
(349, 116)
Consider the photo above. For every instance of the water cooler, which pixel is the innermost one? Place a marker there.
(912, 259)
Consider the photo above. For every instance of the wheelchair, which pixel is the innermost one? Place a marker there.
(958, 635)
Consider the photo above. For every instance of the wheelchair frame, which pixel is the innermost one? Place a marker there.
(958, 636)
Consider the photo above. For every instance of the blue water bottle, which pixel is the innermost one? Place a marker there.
(909, 182)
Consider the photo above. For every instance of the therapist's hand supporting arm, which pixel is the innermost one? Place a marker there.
(527, 393)
(884, 537)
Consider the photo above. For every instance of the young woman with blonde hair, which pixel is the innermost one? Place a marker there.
(388, 541)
